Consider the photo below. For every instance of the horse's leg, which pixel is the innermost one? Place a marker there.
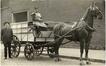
(87, 50)
(81, 51)
(56, 53)
(56, 50)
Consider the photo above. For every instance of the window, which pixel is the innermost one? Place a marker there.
(20, 17)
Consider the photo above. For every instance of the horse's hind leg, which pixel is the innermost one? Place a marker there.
(57, 54)
(81, 51)
(56, 49)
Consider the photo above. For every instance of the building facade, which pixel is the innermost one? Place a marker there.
(55, 10)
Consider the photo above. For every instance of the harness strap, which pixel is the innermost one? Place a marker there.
(64, 36)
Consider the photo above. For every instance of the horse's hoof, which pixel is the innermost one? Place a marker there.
(88, 63)
(81, 63)
(51, 56)
(57, 59)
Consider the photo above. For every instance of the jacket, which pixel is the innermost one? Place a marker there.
(6, 35)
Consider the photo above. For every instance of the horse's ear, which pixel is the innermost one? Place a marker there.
(92, 5)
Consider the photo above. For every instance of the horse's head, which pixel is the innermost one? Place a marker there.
(96, 12)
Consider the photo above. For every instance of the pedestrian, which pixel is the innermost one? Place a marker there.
(7, 37)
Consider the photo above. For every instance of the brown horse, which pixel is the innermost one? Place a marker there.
(81, 33)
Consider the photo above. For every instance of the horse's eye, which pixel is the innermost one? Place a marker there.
(96, 11)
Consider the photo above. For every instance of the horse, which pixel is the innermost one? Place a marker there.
(81, 34)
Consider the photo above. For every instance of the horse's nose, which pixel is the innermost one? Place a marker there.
(100, 18)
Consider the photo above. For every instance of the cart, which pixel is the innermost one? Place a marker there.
(32, 45)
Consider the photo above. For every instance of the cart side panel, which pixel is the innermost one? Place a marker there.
(21, 31)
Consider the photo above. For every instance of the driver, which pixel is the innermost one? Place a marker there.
(37, 18)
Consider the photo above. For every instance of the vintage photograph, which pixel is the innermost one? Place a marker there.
(52, 33)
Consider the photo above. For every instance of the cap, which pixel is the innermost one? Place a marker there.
(35, 8)
(6, 23)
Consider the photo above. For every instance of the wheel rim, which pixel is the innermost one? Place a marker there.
(29, 51)
(15, 47)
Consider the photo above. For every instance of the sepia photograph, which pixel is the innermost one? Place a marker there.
(52, 33)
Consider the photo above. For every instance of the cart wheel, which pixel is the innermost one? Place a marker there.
(29, 51)
(15, 47)
(38, 51)
(50, 52)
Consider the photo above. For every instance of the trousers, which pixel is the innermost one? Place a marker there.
(7, 49)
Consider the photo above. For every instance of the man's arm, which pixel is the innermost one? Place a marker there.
(33, 16)
(12, 34)
(1, 34)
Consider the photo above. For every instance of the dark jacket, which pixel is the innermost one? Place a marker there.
(6, 35)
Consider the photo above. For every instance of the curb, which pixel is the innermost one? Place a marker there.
(77, 58)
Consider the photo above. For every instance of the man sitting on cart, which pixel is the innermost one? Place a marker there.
(38, 22)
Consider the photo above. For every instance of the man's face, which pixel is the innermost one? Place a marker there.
(7, 25)
(30, 26)
(36, 10)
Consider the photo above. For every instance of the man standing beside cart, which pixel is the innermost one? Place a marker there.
(7, 37)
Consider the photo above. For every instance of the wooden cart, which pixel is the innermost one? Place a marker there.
(22, 37)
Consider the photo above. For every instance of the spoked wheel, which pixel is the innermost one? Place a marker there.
(50, 52)
(29, 51)
(38, 51)
(15, 47)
